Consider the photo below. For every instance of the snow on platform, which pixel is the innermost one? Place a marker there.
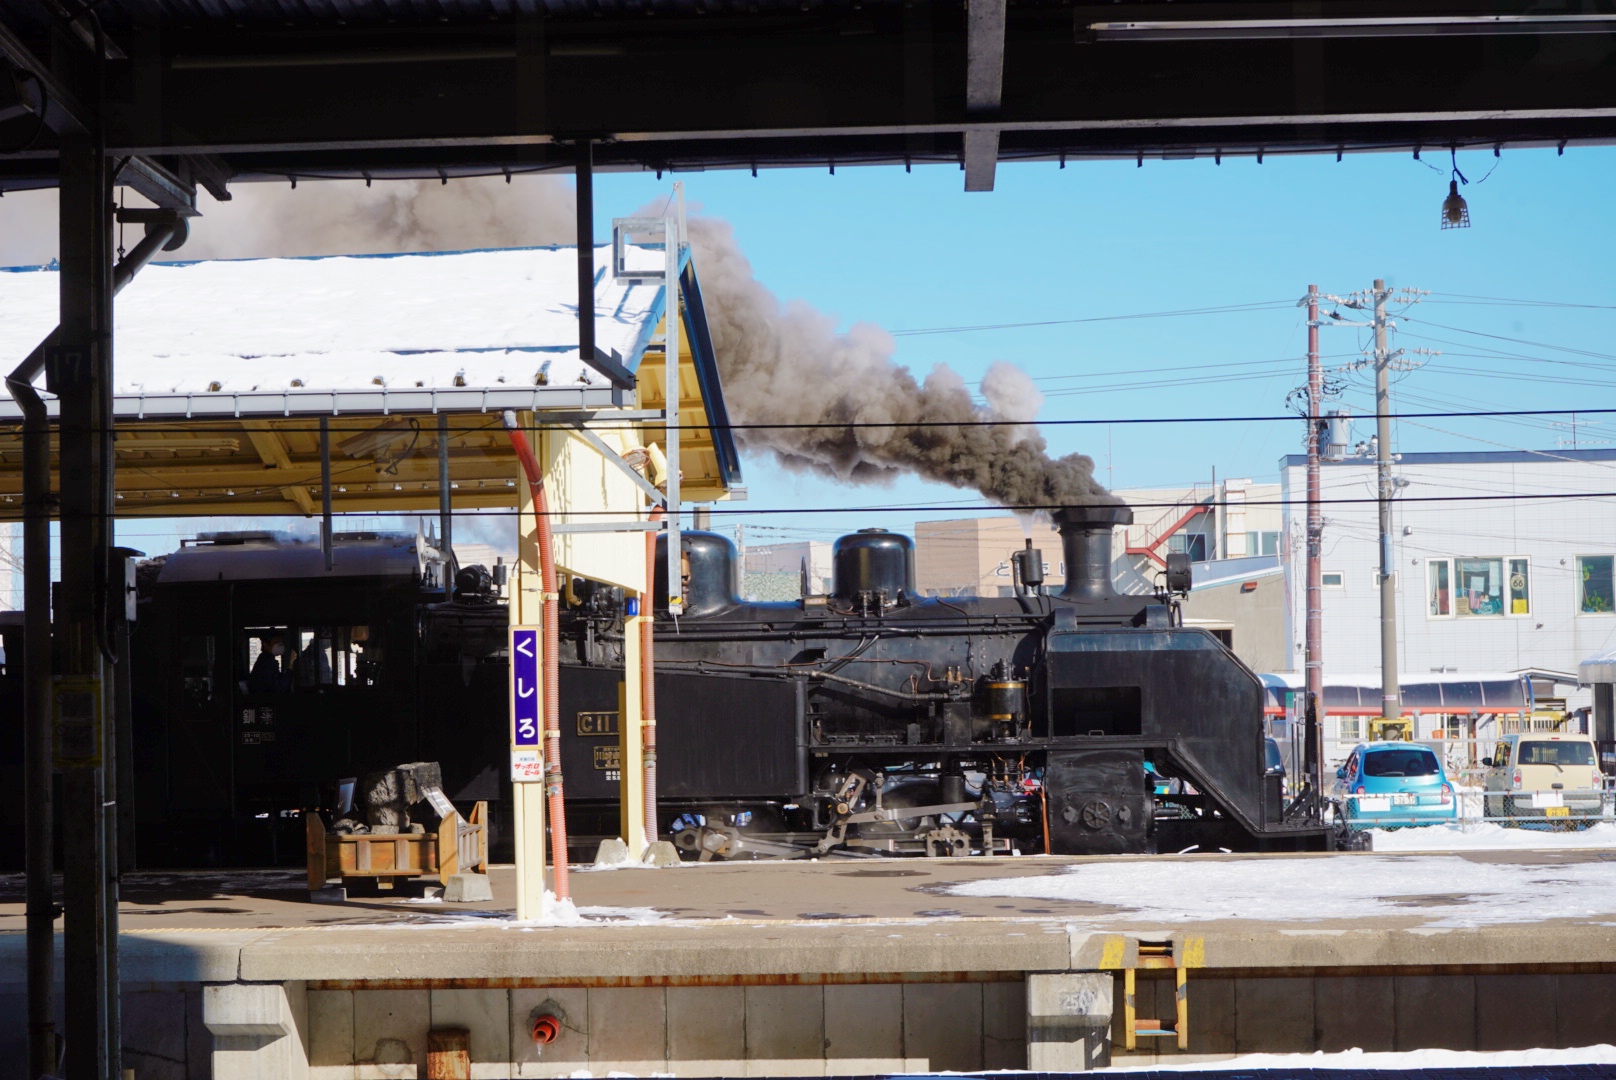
(1491, 836)
(1518, 1063)
(1442, 891)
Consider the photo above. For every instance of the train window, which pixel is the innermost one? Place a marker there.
(290, 659)
(196, 668)
(1098, 710)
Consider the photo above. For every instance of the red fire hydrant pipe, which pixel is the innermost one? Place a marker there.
(648, 684)
(550, 606)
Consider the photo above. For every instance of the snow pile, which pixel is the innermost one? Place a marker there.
(1443, 891)
(1603, 1054)
(566, 913)
(1491, 836)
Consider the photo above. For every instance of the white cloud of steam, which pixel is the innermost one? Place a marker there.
(782, 364)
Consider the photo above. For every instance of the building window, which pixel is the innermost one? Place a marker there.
(1520, 594)
(1191, 544)
(1439, 598)
(1333, 579)
(1477, 588)
(1597, 596)
(1350, 729)
(1262, 543)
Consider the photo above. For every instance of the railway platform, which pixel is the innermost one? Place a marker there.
(845, 967)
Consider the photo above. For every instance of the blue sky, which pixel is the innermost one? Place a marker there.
(913, 251)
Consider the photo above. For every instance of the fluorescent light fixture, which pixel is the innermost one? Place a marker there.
(1391, 26)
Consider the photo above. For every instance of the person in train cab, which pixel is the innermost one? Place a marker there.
(313, 665)
(267, 677)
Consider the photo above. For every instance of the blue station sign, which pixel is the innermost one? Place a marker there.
(525, 704)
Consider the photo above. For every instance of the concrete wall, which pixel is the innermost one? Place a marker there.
(852, 1029)
(701, 1031)
(1230, 1014)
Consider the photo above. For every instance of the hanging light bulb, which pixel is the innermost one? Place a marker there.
(1455, 214)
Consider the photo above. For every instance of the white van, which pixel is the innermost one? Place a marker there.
(1545, 776)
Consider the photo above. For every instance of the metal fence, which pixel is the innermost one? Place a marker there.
(1554, 810)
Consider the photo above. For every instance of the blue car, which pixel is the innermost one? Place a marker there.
(1388, 784)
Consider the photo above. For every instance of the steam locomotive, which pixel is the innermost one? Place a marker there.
(868, 721)
(874, 720)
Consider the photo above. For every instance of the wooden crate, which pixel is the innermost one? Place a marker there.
(458, 846)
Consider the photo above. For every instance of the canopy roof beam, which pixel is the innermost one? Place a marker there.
(272, 450)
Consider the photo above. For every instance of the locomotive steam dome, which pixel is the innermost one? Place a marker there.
(709, 561)
(1086, 543)
(873, 561)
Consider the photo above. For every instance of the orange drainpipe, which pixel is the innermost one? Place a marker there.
(648, 684)
(550, 656)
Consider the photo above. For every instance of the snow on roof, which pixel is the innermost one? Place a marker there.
(468, 319)
(1599, 668)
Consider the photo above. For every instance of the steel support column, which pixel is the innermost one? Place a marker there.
(81, 375)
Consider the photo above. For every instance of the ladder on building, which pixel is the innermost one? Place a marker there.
(1156, 954)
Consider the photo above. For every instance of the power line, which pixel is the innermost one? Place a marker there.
(1264, 305)
(1026, 508)
(1511, 302)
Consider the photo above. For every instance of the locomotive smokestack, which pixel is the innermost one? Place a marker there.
(1086, 541)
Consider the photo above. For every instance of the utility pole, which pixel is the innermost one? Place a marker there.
(1313, 658)
(1390, 693)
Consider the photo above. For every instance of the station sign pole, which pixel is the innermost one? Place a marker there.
(527, 712)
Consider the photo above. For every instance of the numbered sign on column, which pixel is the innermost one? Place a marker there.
(527, 761)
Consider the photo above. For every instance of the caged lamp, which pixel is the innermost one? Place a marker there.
(1455, 214)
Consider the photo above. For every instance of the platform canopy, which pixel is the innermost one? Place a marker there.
(210, 91)
(1436, 692)
(223, 371)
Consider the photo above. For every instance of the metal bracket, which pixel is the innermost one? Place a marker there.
(656, 497)
(611, 366)
(625, 231)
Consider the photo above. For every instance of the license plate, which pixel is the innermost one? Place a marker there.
(1557, 811)
(1404, 800)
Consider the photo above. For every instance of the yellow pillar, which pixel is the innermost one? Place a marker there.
(630, 736)
(527, 587)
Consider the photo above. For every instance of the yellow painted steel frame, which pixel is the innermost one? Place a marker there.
(1154, 955)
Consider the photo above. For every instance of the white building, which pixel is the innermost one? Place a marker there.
(1504, 563)
(784, 559)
